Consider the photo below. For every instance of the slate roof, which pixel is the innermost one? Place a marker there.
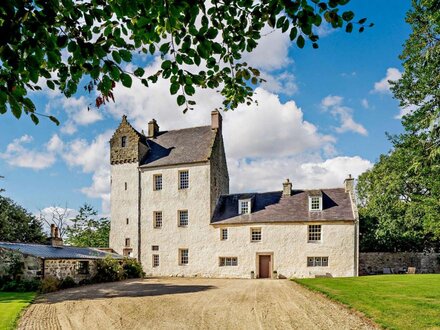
(272, 207)
(183, 146)
(65, 252)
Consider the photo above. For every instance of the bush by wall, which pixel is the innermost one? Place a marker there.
(132, 268)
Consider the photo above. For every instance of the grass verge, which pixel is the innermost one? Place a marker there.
(11, 305)
(392, 301)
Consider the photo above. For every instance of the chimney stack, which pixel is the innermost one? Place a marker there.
(55, 239)
(349, 184)
(216, 120)
(52, 231)
(153, 128)
(287, 188)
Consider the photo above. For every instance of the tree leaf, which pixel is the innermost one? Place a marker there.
(56, 121)
(181, 100)
(174, 88)
(35, 119)
(126, 80)
(300, 41)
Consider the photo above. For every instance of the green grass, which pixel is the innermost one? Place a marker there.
(392, 301)
(11, 305)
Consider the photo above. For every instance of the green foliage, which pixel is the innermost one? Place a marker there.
(132, 268)
(17, 224)
(67, 282)
(201, 44)
(25, 285)
(87, 230)
(50, 284)
(108, 270)
(12, 303)
(392, 301)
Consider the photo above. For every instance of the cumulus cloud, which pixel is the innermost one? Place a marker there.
(334, 104)
(18, 154)
(281, 83)
(383, 86)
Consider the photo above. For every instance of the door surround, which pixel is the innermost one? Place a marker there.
(257, 263)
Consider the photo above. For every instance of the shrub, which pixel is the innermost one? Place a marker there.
(67, 282)
(10, 286)
(132, 268)
(108, 270)
(49, 284)
(29, 285)
(86, 281)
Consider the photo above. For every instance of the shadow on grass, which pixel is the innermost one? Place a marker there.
(130, 288)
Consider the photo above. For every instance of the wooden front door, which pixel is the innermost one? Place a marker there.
(264, 266)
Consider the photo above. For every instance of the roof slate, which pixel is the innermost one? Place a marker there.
(183, 146)
(65, 252)
(272, 207)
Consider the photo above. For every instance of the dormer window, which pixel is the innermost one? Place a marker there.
(123, 141)
(315, 201)
(244, 206)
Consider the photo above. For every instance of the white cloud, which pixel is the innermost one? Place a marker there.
(334, 104)
(324, 29)
(281, 83)
(403, 111)
(383, 86)
(365, 104)
(17, 154)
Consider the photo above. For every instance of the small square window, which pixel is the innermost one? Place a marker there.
(155, 247)
(315, 203)
(127, 242)
(183, 218)
(224, 234)
(255, 234)
(314, 233)
(228, 261)
(155, 260)
(157, 219)
(183, 256)
(183, 179)
(157, 182)
(245, 207)
(317, 261)
(83, 267)
(123, 141)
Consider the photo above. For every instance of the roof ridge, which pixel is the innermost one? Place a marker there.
(183, 129)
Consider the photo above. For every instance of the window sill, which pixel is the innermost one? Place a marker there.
(314, 242)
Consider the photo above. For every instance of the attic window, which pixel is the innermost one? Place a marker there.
(123, 141)
(315, 203)
(244, 206)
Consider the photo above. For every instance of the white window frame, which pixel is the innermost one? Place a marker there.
(156, 218)
(224, 237)
(255, 234)
(227, 261)
(317, 261)
(183, 181)
(182, 222)
(312, 203)
(157, 184)
(183, 257)
(156, 260)
(314, 233)
(241, 204)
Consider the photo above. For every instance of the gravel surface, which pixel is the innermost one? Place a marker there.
(189, 303)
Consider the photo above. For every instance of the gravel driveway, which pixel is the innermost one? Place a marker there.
(189, 303)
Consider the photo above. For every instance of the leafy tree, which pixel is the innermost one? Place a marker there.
(87, 230)
(17, 224)
(200, 42)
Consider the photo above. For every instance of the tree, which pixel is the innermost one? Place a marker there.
(419, 88)
(200, 42)
(59, 216)
(18, 225)
(88, 230)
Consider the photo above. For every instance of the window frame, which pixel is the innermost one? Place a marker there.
(123, 141)
(180, 185)
(156, 185)
(317, 261)
(155, 218)
(155, 260)
(228, 261)
(313, 234)
(242, 202)
(127, 242)
(223, 237)
(312, 201)
(179, 218)
(154, 247)
(81, 269)
(260, 234)
(181, 257)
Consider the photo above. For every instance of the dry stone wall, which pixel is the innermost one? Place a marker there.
(375, 262)
(61, 268)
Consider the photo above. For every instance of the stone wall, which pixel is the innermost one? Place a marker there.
(32, 266)
(61, 268)
(375, 262)
(219, 171)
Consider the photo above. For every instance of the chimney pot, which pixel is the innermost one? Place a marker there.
(216, 120)
(153, 128)
(287, 188)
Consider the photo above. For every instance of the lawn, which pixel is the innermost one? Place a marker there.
(392, 301)
(11, 304)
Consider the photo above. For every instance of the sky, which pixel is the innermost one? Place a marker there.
(321, 115)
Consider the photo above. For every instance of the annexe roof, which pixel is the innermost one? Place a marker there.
(272, 207)
(183, 146)
(64, 252)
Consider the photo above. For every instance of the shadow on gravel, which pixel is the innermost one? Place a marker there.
(120, 289)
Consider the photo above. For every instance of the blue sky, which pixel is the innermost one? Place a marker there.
(322, 114)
